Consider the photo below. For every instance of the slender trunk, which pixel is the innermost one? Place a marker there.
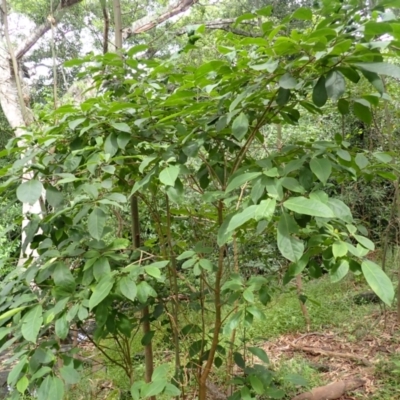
(117, 24)
(106, 26)
(175, 292)
(12, 103)
(148, 348)
(303, 307)
(218, 316)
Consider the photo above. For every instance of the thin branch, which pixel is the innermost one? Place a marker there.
(224, 24)
(149, 22)
(44, 28)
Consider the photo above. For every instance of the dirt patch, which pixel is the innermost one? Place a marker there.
(337, 357)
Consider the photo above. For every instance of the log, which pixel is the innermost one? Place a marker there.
(330, 392)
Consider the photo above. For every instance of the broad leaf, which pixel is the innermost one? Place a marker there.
(303, 13)
(315, 208)
(340, 272)
(240, 126)
(380, 68)
(52, 388)
(378, 281)
(96, 223)
(322, 168)
(241, 180)
(31, 323)
(128, 288)
(100, 292)
(320, 95)
(168, 175)
(287, 81)
(335, 85)
(30, 191)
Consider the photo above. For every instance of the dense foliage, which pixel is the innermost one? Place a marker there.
(160, 186)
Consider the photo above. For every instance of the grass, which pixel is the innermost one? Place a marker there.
(331, 308)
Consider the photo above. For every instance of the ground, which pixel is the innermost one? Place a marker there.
(345, 341)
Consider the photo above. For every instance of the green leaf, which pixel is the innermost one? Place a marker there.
(100, 292)
(144, 290)
(265, 12)
(362, 112)
(52, 388)
(381, 68)
(361, 161)
(292, 184)
(111, 144)
(63, 277)
(62, 327)
(153, 271)
(283, 96)
(31, 323)
(70, 375)
(169, 175)
(54, 197)
(101, 267)
(320, 95)
(23, 384)
(248, 295)
(11, 313)
(171, 391)
(241, 218)
(315, 208)
(368, 244)
(30, 191)
(240, 180)
(383, 157)
(123, 139)
(128, 288)
(13, 376)
(240, 126)
(322, 168)
(121, 126)
(378, 281)
(96, 223)
(287, 81)
(256, 384)
(340, 272)
(260, 353)
(290, 247)
(341, 210)
(75, 123)
(154, 388)
(339, 249)
(335, 85)
(265, 210)
(343, 107)
(303, 13)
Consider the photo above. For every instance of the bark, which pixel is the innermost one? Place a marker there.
(149, 22)
(117, 24)
(225, 24)
(13, 106)
(332, 391)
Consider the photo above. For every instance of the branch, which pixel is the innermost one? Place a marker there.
(225, 25)
(146, 23)
(45, 27)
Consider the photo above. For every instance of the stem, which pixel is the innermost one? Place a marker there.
(118, 24)
(148, 348)
(14, 63)
(175, 303)
(218, 315)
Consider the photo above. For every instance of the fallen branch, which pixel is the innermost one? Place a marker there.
(332, 391)
(329, 353)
